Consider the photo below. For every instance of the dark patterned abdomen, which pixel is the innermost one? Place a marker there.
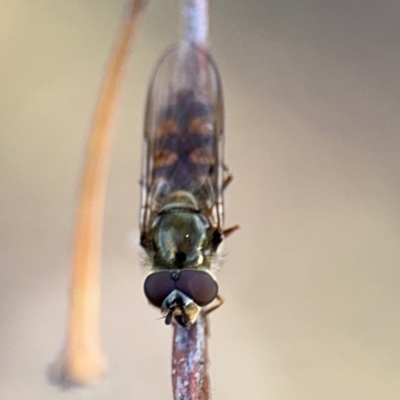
(184, 142)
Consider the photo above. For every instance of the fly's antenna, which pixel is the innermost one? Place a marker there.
(82, 361)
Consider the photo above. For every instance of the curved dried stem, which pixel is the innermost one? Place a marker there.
(82, 361)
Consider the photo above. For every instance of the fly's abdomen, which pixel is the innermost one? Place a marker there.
(184, 144)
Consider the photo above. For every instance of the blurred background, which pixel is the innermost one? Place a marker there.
(312, 279)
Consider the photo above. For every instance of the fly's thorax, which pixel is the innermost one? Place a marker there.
(180, 239)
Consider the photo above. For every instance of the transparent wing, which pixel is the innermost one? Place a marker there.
(183, 135)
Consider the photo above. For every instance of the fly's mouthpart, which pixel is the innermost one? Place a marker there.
(181, 308)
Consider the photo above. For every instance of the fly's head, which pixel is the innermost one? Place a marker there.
(180, 294)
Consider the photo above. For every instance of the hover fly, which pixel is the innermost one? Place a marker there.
(183, 179)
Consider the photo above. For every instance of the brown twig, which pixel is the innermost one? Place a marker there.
(82, 361)
(196, 22)
(190, 379)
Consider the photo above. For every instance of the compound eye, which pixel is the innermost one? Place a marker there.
(198, 285)
(158, 286)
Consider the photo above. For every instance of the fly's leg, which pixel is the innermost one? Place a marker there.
(228, 178)
(220, 301)
(228, 231)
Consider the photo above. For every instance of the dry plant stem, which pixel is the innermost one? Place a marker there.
(196, 18)
(190, 378)
(83, 361)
